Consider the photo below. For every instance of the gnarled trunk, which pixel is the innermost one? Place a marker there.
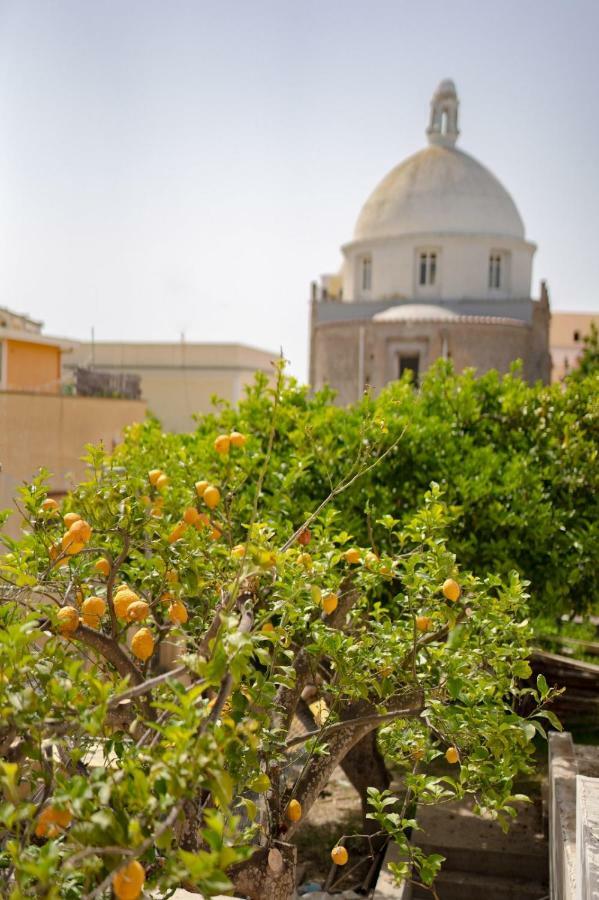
(269, 874)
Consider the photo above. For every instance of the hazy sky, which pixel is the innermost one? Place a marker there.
(174, 166)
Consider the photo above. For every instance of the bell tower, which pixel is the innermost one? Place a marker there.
(443, 128)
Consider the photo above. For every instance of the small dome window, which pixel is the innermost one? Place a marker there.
(495, 270)
(427, 269)
(366, 274)
(498, 270)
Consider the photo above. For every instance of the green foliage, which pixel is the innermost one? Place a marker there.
(589, 361)
(518, 466)
(190, 771)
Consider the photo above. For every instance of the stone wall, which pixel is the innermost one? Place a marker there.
(483, 345)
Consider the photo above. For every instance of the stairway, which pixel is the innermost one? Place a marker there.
(483, 863)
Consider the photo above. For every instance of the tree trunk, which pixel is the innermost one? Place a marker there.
(269, 874)
(364, 765)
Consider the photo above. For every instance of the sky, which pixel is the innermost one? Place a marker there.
(188, 168)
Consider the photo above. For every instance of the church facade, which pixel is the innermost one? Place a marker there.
(438, 266)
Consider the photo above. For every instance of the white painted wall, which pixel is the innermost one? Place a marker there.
(462, 267)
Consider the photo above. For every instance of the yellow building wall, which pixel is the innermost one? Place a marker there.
(32, 367)
(51, 432)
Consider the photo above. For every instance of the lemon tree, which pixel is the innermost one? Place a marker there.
(163, 629)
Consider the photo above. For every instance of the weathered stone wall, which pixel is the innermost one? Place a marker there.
(482, 345)
(562, 816)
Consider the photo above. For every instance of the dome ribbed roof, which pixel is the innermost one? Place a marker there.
(439, 190)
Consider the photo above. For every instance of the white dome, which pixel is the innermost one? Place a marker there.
(414, 311)
(439, 190)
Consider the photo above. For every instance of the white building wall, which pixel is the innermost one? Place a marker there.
(462, 267)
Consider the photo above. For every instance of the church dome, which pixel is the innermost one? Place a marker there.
(439, 190)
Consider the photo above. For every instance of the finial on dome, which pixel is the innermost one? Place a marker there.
(443, 129)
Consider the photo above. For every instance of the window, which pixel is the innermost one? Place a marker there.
(495, 270)
(366, 273)
(576, 336)
(427, 270)
(409, 362)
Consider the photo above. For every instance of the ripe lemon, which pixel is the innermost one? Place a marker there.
(138, 611)
(82, 530)
(162, 481)
(268, 626)
(177, 532)
(203, 521)
(452, 756)
(191, 515)
(93, 609)
(68, 619)
(122, 600)
(70, 519)
(128, 882)
(238, 551)
(339, 855)
(451, 590)
(221, 443)
(102, 567)
(211, 496)
(154, 475)
(423, 623)
(200, 487)
(177, 613)
(294, 811)
(142, 644)
(237, 439)
(329, 603)
(52, 821)
(69, 540)
(352, 556)
(49, 505)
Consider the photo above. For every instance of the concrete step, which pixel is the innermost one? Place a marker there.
(477, 845)
(467, 886)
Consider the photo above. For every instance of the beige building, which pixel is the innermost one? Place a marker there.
(40, 426)
(46, 421)
(439, 265)
(566, 336)
(177, 380)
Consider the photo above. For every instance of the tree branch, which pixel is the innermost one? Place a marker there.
(317, 773)
(146, 686)
(375, 719)
(343, 485)
(110, 650)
